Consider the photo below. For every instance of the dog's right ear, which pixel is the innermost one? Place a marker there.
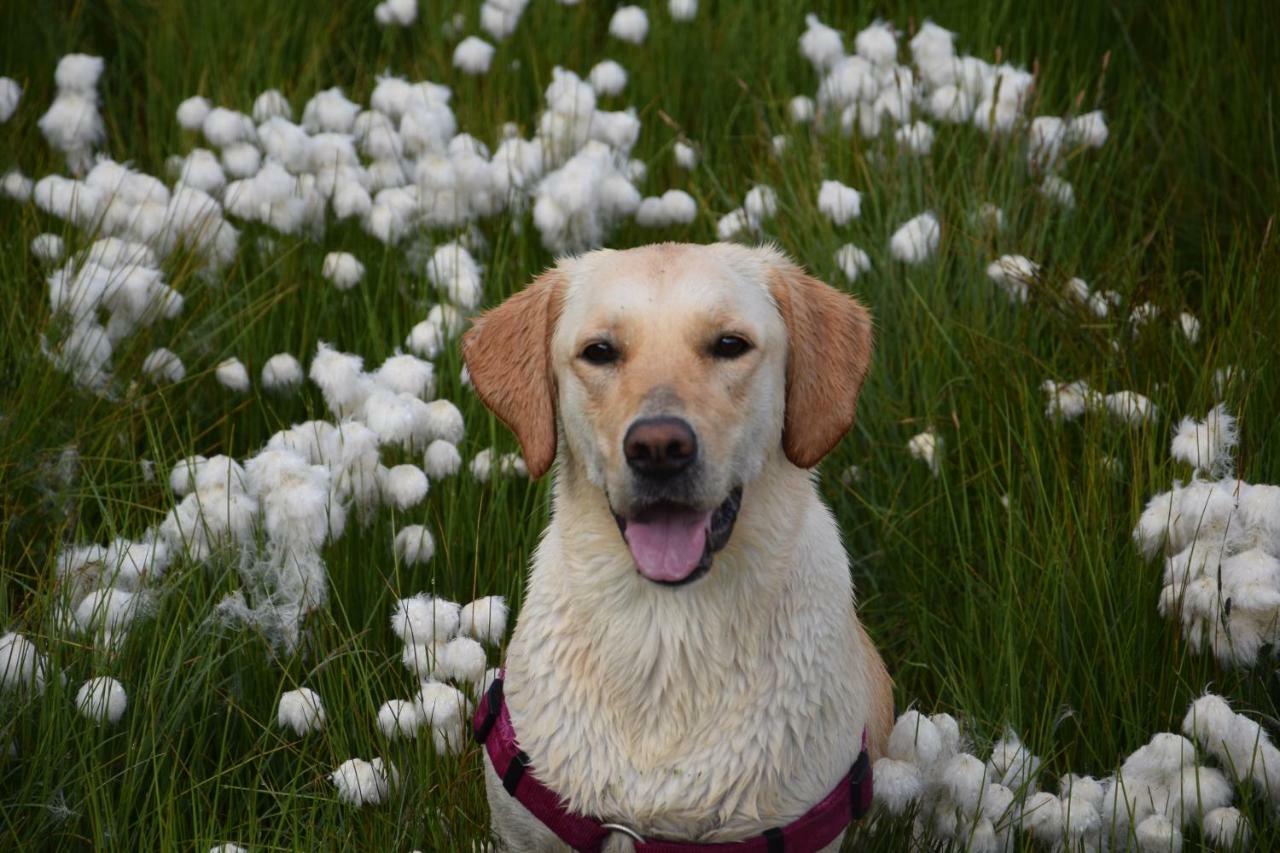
(507, 351)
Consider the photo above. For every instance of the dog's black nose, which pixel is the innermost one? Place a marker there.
(660, 447)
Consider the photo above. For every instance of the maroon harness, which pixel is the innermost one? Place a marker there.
(808, 833)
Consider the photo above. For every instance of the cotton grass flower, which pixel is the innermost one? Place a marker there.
(47, 248)
(192, 112)
(686, 156)
(21, 664)
(629, 24)
(399, 13)
(1206, 445)
(405, 486)
(485, 619)
(441, 705)
(163, 366)
(102, 700)
(17, 186)
(361, 782)
(1227, 829)
(400, 718)
(801, 109)
(1129, 407)
(10, 95)
(300, 710)
(820, 44)
(441, 460)
(608, 78)
(414, 545)
(924, 447)
(1058, 191)
(916, 138)
(1014, 274)
(342, 269)
(1189, 324)
(282, 374)
(233, 375)
(916, 241)
(424, 618)
(499, 18)
(473, 56)
(462, 659)
(1089, 129)
(839, 203)
(682, 10)
(852, 261)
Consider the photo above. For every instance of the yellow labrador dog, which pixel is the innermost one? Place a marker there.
(687, 665)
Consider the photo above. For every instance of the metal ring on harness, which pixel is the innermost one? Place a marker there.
(625, 830)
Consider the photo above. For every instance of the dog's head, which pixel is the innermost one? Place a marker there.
(671, 375)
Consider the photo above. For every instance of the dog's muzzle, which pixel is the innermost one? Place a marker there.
(673, 544)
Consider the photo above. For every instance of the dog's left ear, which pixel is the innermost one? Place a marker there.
(507, 351)
(828, 351)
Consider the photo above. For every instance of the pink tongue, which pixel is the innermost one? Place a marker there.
(667, 543)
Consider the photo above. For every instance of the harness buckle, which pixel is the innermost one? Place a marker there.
(858, 777)
(625, 830)
(493, 698)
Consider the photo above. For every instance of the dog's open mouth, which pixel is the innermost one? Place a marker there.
(674, 544)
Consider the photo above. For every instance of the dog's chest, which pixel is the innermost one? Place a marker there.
(681, 743)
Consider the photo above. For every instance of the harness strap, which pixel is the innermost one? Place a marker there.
(849, 801)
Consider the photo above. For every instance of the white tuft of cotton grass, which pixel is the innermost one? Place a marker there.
(1059, 191)
(400, 718)
(682, 10)
(822, 45)
(1129, 407)
(163, 366)
(852, 261)
(924, 447)
(686, 155)
(1206, 445)
(360, 782)
(485, 619)
(21, 664)
(405, 486)
(1227, 828)
(629, 24)
(462, 659)
(473, 56)
(10, 95)
(342, 269)
(414, 544)
(607, 78)
(441, 460)
(102, 700)
(1014, 274)
(442, 705)
(801, 109)
(282, 374)
(398, 13)
(424, 618)
(47, 248)
(839, 203)
(233, 375)
(300, 710)
(916, 241)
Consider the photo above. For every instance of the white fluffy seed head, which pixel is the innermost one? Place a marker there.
(473, 56)
(163, 366)
(282, 374)
(21, 664)
(442, 459)
(1158, 834)
(441, 705)
(916, 241)
(415, 545)
(404, 486)
(361, 782)
(485, 619)
(462, 659)
(1227, 828)
(342, 269)
(630, 24)
(400, 718)
(915, 739)
(300, 710)
(102, 700)
(233, 375)
(425, 619)
(898, 784)
(422, 659)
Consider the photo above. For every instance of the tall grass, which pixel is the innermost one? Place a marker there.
(1039, 615)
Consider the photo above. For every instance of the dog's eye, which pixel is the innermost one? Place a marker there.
(600, 352)
(729, 346)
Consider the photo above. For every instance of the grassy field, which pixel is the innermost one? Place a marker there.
(1039, 615)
